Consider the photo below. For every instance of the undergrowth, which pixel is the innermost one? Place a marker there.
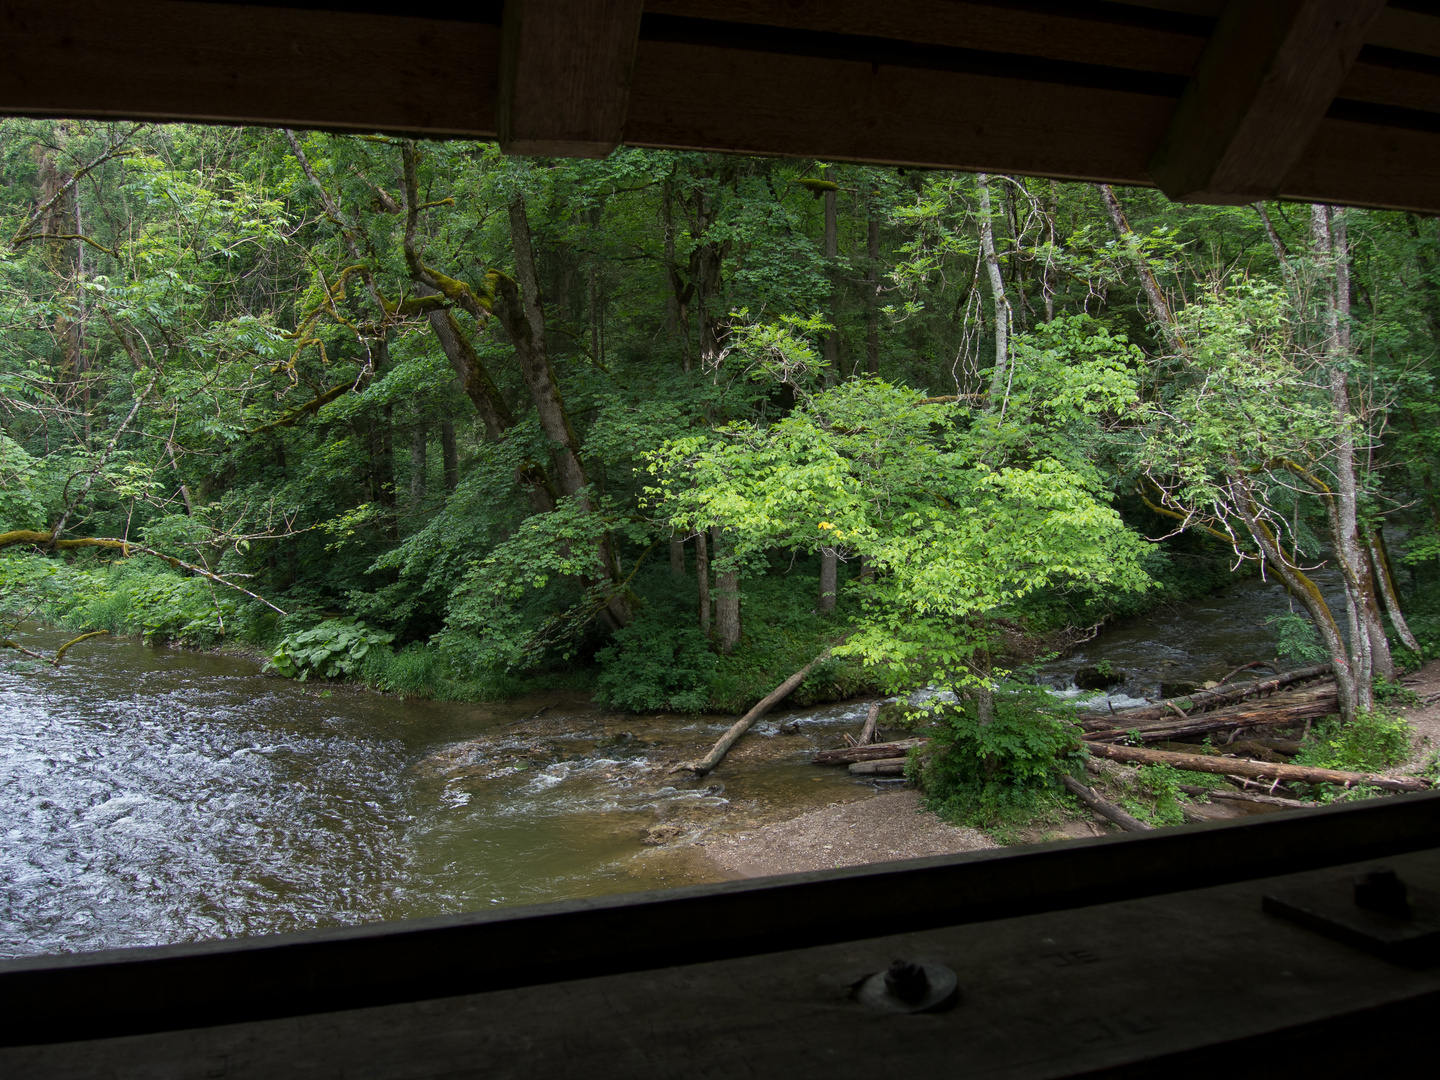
(1373, 741)
(1004, 774)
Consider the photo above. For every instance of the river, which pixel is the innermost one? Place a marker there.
(151, 796)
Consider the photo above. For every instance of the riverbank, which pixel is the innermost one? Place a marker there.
(893, 825)
(888, 826)
(1423, 718)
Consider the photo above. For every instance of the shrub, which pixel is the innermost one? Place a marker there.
(1391, 692)
(1371, 742)
(656, 664)
(336, 648)
(417, 670)
(1002, 772)
(1156, 800)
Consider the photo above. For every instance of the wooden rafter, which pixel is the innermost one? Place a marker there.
(1081, 90)
(565, 68)
(1267, 78)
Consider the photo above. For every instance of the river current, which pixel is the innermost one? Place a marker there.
(150, 796)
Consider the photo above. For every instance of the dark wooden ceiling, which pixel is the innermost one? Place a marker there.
(1335, 100)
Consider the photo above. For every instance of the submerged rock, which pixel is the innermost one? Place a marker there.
(1092, 678)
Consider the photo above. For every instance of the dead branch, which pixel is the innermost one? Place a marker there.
(1107, 810)
(768, 702)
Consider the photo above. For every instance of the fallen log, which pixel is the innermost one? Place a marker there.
(768, 702)
(1288, 747)
(1246, 796)
(1245, 748)
(1261, 750)
(1296, 708)
(1225, 694)
(1255, 770)
(867, 733)
(848, 754)
(1105, 809)
(882, 767)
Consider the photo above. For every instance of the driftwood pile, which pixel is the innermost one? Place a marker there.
(1222, 712)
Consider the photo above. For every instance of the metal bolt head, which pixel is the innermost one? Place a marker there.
(906, 980)
(1382, 890)
(908, 986)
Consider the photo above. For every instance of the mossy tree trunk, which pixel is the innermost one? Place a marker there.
(727, 597)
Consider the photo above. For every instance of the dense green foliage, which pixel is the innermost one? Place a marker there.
(335, 649)
(1372, 742)
(456, 424)
(998, 773)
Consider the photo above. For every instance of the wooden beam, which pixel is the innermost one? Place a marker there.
(241, 63)
(1092, 33)
(131, 991)
(691, 95)
(1263, 85)
(565, 68)
(1188, 986)
(740, 92)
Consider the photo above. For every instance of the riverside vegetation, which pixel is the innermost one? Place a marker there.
(668, 426)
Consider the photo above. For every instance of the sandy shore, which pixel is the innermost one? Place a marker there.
(883, 828)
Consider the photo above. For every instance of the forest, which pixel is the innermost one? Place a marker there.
(666, 427)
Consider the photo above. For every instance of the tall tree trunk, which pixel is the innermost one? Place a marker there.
(382, 468)
(64, 260)
(828, 559)
(727, 599)
(677, 295)
(519, 310)
(1328, 237)
(450, 454)
(1380, 564)
(1000, 376)
(702, 579)
(594, 309)
(832, 256)
(1159, 306)
(829, 578)
(677, 554)
(419, 437)
(1018, 263)
(1299, 585)
(474, 377)
(702, 291)
(872, 297)
(1047, 279)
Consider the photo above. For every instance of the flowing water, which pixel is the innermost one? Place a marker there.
(150, 796)
(1176, 649)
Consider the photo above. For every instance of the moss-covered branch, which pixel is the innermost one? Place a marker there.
(29, 536)
(312, 407)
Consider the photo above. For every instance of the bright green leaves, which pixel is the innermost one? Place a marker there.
(912, 486)
(334, 649)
